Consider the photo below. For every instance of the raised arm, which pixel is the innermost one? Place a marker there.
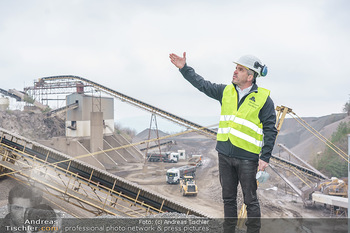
(210, 89)
(178, 61)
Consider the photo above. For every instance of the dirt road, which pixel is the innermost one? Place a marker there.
(274, 201)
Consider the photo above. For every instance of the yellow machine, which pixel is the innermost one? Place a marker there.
(188, 186)
(334, 187)
(8, 156)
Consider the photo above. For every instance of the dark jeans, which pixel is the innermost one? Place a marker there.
(232, 171)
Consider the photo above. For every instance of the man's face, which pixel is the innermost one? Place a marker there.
(18, 208)
(241, 77)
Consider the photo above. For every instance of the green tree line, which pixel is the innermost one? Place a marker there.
(329, 162)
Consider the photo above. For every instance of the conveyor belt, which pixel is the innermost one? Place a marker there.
(98, 179)
(63, 109)
(2, 91)
(169, 116)
(303, 162)
(158, 145)
(298, 167)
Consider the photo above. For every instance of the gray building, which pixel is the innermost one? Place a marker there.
(78, 120)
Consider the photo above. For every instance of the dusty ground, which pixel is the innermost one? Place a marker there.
(274, 200)
(208, 199)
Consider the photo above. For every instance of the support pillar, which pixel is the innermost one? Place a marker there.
(96, 131)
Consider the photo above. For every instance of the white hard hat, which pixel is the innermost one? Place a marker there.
(253, 63)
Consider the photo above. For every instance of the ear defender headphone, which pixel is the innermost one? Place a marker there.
(263, 70)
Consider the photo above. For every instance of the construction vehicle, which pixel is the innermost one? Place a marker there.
(167, 157)
(174, 175)
(171, 157)
(334, 187)
(155, 157)
(188, 186)
(196, 160)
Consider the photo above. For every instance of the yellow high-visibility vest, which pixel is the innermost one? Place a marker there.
(242, 126)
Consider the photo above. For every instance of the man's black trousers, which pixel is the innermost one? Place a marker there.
(233, 171)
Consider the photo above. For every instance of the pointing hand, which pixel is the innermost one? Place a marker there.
(179, 62)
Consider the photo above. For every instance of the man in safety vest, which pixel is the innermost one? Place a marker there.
(246, 130)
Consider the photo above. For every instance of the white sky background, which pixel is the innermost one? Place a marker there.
(125, 45)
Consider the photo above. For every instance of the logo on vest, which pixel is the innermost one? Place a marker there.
(252, 103)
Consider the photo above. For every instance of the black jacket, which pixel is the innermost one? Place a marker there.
(267, 117)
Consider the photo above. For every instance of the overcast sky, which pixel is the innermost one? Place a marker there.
(125, 45)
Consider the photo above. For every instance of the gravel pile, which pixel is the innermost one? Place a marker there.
(32, 125)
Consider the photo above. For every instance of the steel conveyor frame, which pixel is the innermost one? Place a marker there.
(111, 187)
(169, 116)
